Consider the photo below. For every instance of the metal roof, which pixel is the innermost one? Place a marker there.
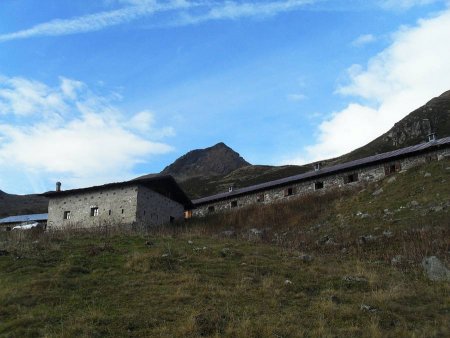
(163, 184)
(384, 157)
(24, 218)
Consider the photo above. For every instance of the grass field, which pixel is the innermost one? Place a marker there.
(342, 264)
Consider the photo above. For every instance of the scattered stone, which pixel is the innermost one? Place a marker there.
(288, 282)
(354, 279)
(378, 192)
(4, 253)
(254, 234)
(190, 242)
(335, 299)
(200, 249)
(306, 258)
(392, 179)
(437, 208)
(344, 250)
(435, 269)
(368, 308)
(228, 233)
(413, 204)
(397, 260)
(427, 175)
(225, 252)
(165, 255)
(367, 239)
(149, 243)
(324, 240)
(387, 233)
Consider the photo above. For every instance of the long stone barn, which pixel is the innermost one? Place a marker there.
(144, 202)
(344, 175)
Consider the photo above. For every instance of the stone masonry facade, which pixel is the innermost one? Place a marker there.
(133, 205)
(342, 180)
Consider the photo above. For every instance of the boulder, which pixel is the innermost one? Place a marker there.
(435, 269)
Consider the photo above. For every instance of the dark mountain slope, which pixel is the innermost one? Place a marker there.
(213, 161)
(11, 205)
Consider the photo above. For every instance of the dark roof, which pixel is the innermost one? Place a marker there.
(24, 218)
(364, 162)
(163, 184)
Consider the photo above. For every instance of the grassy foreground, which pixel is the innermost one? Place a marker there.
(335, 265)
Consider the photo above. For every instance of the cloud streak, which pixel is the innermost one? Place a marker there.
(205, 11)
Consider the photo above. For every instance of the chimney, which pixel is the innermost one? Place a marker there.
(431, 137)
(317, 166)
(58, 186)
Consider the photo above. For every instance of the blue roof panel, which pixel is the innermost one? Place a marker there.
(24, 218)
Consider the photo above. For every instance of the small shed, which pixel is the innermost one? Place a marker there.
(8, 223)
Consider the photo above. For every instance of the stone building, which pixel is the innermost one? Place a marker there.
(137, 203)
(8, 223)
(339, 176)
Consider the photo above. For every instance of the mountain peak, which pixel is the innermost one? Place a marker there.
(212, 161)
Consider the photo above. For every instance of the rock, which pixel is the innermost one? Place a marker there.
(306, 258)
(413, 204)
(228, 233)
(435, 269)
(378, 192)
(367, 239)
(225, 252)
(397, 260)
(324, 240)
(387, 233)
(369, 308)
(354, 279)
(437, 208)
(190, 242)
(335, 299)
(427, 175)
(288, 282)
(392, 179)
(165, 255)
(254, 234)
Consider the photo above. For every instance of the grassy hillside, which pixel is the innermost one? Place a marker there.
(342, 264)
(11, 205)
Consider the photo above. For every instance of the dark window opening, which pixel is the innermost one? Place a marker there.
(289, 192)
(94, 211)
(351, 178)
(109, 212)
(122, 211)
(172, 219)
(211, 209)
(144, 212)
(392, 168)
(260, 198)
(234, 204)
(66, 214)
(318, 185)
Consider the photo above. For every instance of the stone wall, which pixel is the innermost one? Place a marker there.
(333, 181)
(115, 206)
(156, 209)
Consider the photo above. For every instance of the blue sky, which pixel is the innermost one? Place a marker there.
(99, 91)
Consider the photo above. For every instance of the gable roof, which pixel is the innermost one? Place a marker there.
(24, 218)
(162, 184)
(353, 165)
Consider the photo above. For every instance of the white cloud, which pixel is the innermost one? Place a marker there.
(91, 143)
(405, 4)
(135, 9)
(296, 97)
(404, 76)
(364, 40)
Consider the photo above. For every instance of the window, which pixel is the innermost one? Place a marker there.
(188, 214)
(94, 211)
(66, 215)
(172, 219)
(351, 178)
(109, 212)
(123, 211)
(211, 208)
(289, 192)
(392, 168)
(260, 198)
(318, 185)
(234, 204)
